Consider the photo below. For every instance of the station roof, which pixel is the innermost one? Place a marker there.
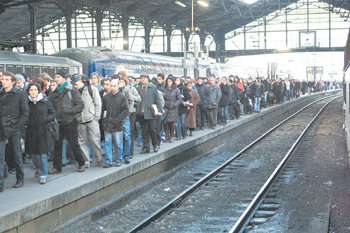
(221, 16)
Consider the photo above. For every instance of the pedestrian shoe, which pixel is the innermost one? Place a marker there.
(81, 168)
(155, 149)
(107, 165)
(19, 183)
(54, 171)
(118, 163)
(145, 151)
(87, 164)
(42, 180)
(99, 163)
(127, 160)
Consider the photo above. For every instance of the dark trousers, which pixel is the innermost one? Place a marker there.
(148, 128)
(200, 116)
(169, 128)
(70, 132)
(212, 116)
(159, 129)
(14, 141)
(133, 132)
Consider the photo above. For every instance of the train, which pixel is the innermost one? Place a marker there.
(33, 65)
(105, 61)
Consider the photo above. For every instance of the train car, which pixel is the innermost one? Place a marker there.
(105, 61)
(33, 65)
(220, 69)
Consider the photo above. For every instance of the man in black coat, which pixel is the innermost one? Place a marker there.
(68, 103)
(149, 99)
(13, 114)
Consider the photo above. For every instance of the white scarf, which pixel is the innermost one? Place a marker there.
(39, 97)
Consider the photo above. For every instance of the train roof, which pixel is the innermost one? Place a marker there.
(33, 58)
(102, 53)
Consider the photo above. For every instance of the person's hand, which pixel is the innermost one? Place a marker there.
(160, 113)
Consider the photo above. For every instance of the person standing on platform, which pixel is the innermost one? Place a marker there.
(95, 81)
(88, 127)
(213, 97)
(149, 100)
(68, 103)
(191, 113)
(13, 116)
(201, 108)
(114, 110)
(39, 140)
(172, 98)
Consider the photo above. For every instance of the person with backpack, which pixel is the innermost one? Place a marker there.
(88, 127)
(68, 103)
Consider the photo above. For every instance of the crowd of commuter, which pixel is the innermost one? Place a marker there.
(77, 119)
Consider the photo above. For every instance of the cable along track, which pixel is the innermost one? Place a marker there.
(219, 200)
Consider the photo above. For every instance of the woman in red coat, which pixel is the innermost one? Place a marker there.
(191, 114)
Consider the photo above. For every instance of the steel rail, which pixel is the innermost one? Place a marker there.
(253, 206)
(178, 199)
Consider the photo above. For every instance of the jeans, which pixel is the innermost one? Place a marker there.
(242, 109)
(200, 116)
(212, 117)
(133, 131)
(115, 139)
(223, 113)
(181, 125)
(65, 145)
(288, 94)
(40, 162)
(15, 141)
(257, 104)
(126, 137)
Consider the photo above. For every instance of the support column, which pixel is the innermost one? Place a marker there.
(220, 46)
(286, 28)
(147, 26)
(330, 26)
(187, 41)
(125, 26)
(68, 16)
(59, 35)
(32, 12)
(98, 19)
(265, 45)
(202, 36)
(168, 30)
(245, 38)
(76, 32)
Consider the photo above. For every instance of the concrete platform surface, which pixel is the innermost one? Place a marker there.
(20, 206)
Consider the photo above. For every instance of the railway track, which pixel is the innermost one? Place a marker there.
(226, 198)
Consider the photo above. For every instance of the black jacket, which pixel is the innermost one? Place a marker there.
(226, 97)
(67, 104)
(117, 109)
(235, 93)
(14, 111)
(201, 90)
(38, 136)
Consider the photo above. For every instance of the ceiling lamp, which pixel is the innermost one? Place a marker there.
(203, 3)
(180, 3)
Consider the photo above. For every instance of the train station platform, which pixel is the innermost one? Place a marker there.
(40, 208)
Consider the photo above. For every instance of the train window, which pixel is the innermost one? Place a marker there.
(10, 68)
(66, 70)
(19, 69)
(52, 71)
(36, 71)
(28, 70)
(1, 67)
(132, 62)
(45, 70)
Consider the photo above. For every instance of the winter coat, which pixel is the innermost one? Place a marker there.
(67, 105)
(235, 93)
(185, 97)
(191, 114)
(226, 97)
(213, 96)
(38, 135)
(92, 106)
(114, 110)
(172, 98)
(14, 111)
(132, 95)
(151, 97)
(201, 91)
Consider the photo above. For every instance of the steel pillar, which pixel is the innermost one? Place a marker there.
(32, 12)
(220, 46)
(125, 27)
(148, 27)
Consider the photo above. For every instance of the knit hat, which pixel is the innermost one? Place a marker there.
(61, 73)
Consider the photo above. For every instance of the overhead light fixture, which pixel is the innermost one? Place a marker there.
(180, 3)
(203, 3)
(249, 2)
